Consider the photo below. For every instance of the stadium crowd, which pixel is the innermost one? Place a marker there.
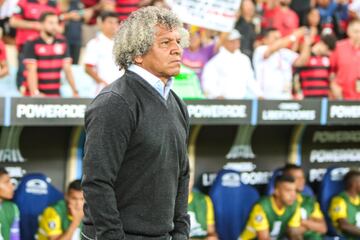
(278, 49)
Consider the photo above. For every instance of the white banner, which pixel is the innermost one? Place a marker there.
(219, 15)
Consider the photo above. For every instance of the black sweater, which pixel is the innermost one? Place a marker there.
(135, 166)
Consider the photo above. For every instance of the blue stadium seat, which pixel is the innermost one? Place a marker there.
(331, 185)
(33, 195)
(233, 202)
(271, 185)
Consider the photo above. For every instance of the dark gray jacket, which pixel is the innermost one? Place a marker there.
(136, 169)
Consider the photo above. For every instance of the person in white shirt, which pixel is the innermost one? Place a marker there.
(274, 62)
(99, 60)
(228, 75)
(354, 9)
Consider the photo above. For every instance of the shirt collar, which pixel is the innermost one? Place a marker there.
(155, 82)
(104, 38)
(278, 211)
(224, 51)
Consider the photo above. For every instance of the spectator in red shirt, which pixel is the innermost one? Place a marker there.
(124, 7)
(44, 58)
(4, 70)
(315, 72)
(26, 16)
(26, 22)
(281, 17)
(345, 63)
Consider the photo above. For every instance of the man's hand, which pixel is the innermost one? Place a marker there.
(38, 94)
(77, 213)
(75, 94)
(336, 90)
(300, 32)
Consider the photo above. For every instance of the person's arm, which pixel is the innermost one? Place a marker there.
(181, 229)
(316, 221)
(210, 220)
(263, 235)
(4, 69)
(260, 223)
(295, 233)
(314, 224)
(77, 216)
(348, 228)
(294, 230)
(305, 53)
(109, 123)
(91, 59)
(70, 77)
(32, 78)
(335, 87)
(284, 42)
(16, 22)
(89, 69)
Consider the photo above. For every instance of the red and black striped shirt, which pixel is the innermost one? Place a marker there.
(49, 59)
(124, 7)
(31, 10)
(314, 77)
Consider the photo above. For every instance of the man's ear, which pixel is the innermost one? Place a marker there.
(276, 191)
(138, 60)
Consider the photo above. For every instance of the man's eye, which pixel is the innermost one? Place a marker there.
(164, 42)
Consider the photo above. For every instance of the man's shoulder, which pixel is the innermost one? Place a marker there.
(9, 206)
(121, 91)
(343, 43)
(93, 42)
(259, 51)
(50, 212)
(34, 39)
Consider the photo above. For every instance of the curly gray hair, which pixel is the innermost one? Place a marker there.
(136, 34)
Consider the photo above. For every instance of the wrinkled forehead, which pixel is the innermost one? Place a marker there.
(162, 31)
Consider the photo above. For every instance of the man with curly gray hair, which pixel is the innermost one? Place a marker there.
(136, 171)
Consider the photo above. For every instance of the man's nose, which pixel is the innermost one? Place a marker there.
(176, 48)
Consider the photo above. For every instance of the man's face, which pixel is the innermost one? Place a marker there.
(164, 57)
(323, 3)
(313, 17)
(75, 199)
(286, 192)
(272, 37)
(109, 26)
(299, 177)
(51, 25)
(354, 32)
(248, 8)
(232, 45)
(6, 187)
